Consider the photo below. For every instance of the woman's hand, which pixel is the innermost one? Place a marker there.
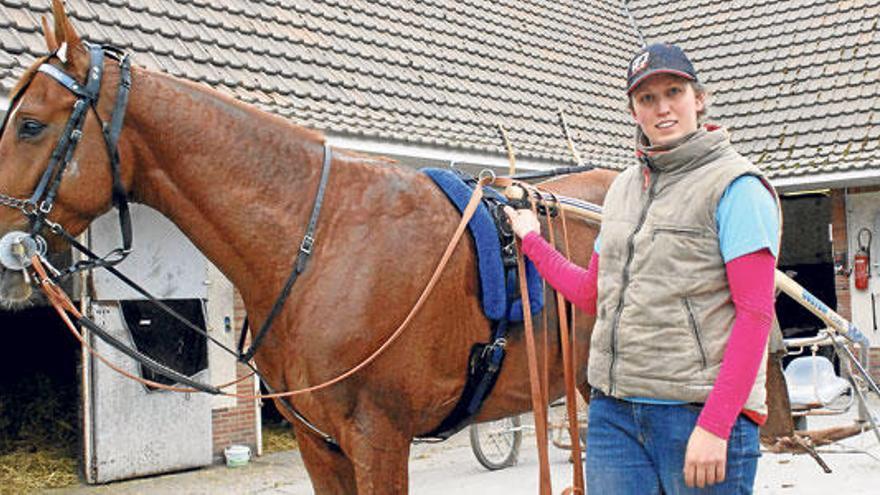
(705, 461)
(522, 221)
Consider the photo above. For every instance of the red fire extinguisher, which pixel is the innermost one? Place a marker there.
(862, 261)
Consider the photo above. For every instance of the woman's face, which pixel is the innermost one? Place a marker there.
(665, 107)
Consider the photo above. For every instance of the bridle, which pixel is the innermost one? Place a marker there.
(17, 248)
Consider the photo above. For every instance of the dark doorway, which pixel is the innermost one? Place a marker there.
(806, 255)
(39, 383)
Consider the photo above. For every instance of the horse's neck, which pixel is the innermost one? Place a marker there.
(236, 180)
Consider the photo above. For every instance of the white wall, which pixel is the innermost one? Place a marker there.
(863, 210)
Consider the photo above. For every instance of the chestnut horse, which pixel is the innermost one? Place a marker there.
(240, 184)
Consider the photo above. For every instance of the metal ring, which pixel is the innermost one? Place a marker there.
(42, 246)
(487, 173)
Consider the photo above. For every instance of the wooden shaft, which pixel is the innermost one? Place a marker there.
(511, 157)
(568, 140)
(818, 308)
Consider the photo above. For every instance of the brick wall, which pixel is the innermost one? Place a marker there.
(841, 254)
(874, 359)
(236, 425)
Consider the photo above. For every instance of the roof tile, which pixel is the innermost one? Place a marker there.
(802, 72)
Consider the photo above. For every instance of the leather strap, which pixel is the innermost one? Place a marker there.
(302, 258)
(539, 400)
(568, 360)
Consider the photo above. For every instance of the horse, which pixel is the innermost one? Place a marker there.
(239, 183)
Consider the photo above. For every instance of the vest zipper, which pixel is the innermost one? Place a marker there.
(696, 330)
(629, 257)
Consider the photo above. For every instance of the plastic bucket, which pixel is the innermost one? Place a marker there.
(237, 455)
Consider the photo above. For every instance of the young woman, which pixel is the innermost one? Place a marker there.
(681, 281)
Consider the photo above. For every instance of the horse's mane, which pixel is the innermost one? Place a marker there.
(302, 132)
(202, 88)
(370, 157)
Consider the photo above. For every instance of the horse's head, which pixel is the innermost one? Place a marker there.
(53, 169)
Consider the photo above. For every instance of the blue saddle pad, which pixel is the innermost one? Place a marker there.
(485, 236)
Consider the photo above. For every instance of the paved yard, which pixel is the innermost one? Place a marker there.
(450, 468)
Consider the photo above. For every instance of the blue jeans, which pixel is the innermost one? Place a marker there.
(635, 448)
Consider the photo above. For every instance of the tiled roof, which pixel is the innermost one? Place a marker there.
(430, 73)
(797, 82)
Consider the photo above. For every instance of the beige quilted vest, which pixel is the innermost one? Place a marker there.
(664, 307)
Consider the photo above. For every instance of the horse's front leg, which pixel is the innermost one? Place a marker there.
(379, 452)
(330, 471)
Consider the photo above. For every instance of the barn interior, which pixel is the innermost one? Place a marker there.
(39, 384)
(807, 257)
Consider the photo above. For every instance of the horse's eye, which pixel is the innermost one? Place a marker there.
(29, 129)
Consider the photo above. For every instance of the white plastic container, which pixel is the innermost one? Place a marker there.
(237, 455)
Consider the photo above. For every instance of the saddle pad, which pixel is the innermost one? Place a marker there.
(488, 247)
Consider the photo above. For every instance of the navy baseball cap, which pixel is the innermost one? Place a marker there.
(659, 58)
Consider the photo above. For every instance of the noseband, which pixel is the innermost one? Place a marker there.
(16, 248)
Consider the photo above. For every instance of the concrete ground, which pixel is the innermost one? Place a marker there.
(450, 468)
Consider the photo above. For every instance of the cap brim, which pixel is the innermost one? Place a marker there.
(658, 71)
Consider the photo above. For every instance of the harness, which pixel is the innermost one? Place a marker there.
(485, 360)
(19, 249)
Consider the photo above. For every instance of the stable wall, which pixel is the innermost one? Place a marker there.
(853, 209)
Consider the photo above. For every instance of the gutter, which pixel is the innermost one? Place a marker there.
(435, 156)
(832, 180)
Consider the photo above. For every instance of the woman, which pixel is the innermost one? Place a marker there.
(682, 283)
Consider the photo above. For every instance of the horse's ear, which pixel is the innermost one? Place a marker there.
(71, 50)
(51, 42)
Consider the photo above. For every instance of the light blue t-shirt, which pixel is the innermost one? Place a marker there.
(747, 220)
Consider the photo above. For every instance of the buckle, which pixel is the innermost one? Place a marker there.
(307, 243)
(499, 343)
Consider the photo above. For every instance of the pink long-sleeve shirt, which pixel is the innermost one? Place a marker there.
(751, 281)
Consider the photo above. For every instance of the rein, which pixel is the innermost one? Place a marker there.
(64, 307)
(61, 302)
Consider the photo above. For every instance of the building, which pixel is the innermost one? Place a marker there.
(427, 83)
